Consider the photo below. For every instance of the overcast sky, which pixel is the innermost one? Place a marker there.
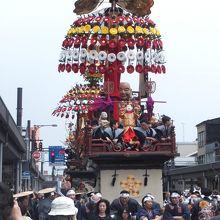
(31, 33)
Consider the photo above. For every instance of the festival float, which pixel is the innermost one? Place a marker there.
(99, 47)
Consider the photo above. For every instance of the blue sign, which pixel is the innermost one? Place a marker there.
(56, 155)
(26, 174)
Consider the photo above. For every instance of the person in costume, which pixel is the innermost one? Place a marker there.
(150, 210)
(145, 133)
(124, 202)
(176, 210)
(166, 129)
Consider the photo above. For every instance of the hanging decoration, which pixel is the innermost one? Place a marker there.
(139, 7)
(97, 44)
(101, 46)
(78, 100)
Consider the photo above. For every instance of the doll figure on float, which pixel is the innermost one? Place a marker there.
(128, 116)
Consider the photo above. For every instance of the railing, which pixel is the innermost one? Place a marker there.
(99, 146)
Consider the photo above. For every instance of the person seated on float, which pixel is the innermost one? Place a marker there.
(146, 135)
(150, 210)
(165, 130)
(113, 134)
(98, 132)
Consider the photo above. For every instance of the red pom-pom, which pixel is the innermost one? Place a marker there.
(130, 69)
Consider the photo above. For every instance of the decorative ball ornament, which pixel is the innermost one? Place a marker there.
(121, 56)
(75, 55)
(93, 55)
(102, 38)
(111, 57)
(102, 55)
(83, 53)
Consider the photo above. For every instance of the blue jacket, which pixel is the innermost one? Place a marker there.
(174, 210)
(156, 210)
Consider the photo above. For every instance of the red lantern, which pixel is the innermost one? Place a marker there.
(92, 68)
(153, 69)
(77, 42)
(163, 68)
(75, 67)
(76, 108)
(121, 42)
(140, 42)
(120, 19)
(130, 69)
(121, 69)
(128, 19)
(98, 18)
(159, 69)
(112, 44)
(60, 67)
(84, 41)
(146, 69)
(131, 43)
(103, 41)
(65, 43)
(106, 19)
(93, 41)
(148, 44)
(139, 68)
(68, 67)
(70, 108)
(82, 68)
(102, 69)
(83, 107)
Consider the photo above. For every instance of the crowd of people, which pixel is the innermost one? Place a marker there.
(47, 204)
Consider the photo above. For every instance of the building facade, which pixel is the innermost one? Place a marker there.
(205, 171)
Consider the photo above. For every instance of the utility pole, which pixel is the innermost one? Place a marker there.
(183, 129)
(1, 157)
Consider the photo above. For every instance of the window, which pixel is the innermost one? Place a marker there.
(210, 158)
(201, 139)
(201, 159)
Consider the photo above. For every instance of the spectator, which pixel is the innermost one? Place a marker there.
(204, 208)
(72, 195)
(23, 199)
(62, 208)
(125, 215)
(9, 208)
(45, 203)
(90, 207)
(102, 211)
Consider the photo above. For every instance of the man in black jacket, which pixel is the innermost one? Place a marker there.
(124, 202)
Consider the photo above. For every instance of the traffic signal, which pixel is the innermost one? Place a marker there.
(52, 156)
(40, 146)
(35, 146)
